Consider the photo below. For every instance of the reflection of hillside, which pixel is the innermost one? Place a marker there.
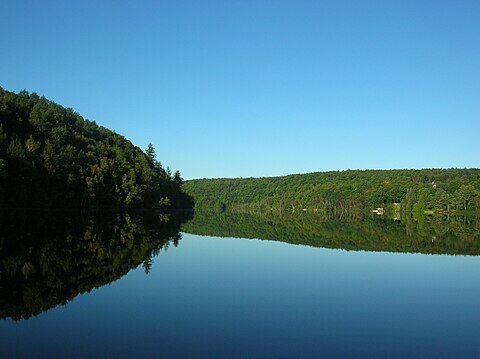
(46, 259)
(426, 235)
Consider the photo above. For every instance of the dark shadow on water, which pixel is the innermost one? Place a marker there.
(48, 258)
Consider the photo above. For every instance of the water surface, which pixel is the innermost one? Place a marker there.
(193, 295)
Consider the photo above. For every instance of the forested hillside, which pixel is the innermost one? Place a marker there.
(437, 190)
(51, 157)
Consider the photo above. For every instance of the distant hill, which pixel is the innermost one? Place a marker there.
(51, 157)
(440, 190)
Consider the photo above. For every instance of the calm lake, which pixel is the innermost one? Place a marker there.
(246, 286)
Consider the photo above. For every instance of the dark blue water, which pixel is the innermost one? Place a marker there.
(225, 297)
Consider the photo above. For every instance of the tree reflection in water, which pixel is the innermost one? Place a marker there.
(48, 258)
(425, 234)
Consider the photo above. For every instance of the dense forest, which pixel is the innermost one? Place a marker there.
(429, 234)
(51, 157)
(48, 258)
(437, 190)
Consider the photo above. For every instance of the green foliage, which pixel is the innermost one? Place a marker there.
(51, 157)
(465, 197)
(441, 200)
(150, 152)
(177, 178)
(343, 191)
(164, 202)
(3, 136)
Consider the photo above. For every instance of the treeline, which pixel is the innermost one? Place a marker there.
(48, 258)
(343, 191)
(430, 235)
(51, 157)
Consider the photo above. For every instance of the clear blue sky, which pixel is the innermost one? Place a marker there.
(260, 88)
